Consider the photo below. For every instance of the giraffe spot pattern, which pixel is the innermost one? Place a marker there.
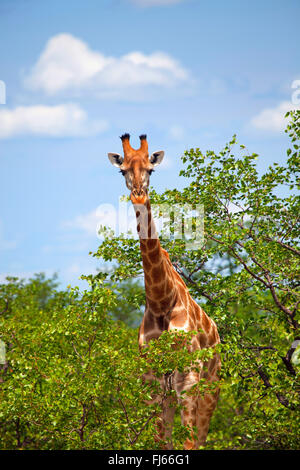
(169, 306)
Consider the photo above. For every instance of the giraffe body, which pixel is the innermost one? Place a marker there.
(169, 307)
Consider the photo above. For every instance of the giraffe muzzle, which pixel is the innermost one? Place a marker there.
(138, 196)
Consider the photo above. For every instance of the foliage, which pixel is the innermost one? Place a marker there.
(130, 301)
(72, 374)
(246, 276)
(72, 378)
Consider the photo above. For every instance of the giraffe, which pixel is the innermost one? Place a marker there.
(169, 306)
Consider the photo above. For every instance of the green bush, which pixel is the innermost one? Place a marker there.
(71, 378)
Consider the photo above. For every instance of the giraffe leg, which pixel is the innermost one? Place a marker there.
(205, 408)
(197, 409)
(165, 418)
(207, 403)
(164, 423)
(189, 420)
(195, 416)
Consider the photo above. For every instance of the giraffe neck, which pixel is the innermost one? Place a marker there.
(158, 270)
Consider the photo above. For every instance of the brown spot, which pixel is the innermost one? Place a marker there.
(142, 244)
(161, 322)
(213, 337)
(149, 321)
(203, 421)
(153, 305)
(168, 286)
(158, 290)
(146, 263)
(208, 399)
(166, 303)
(205, 323)
(202, 340)
(153, 334)
(152, 243)
(212, 364)
(157, 273)
(195, 344)
(179, 387)
(155, 255)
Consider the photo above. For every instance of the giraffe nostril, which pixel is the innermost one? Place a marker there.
(138, 192)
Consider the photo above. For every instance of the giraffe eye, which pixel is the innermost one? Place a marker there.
(123, 172)
(150, 171)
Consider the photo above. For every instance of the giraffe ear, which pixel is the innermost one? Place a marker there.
(157, 157)
(116, 159)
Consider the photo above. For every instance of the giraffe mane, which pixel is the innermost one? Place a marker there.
(166, 254)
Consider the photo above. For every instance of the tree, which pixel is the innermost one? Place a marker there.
(130, 299)
(72, 374)
(252, 222)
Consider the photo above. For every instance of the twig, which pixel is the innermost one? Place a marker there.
(189, 279)
(136, 433)
(5, 308)
(284, 401)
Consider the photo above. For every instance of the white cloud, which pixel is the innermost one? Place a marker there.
(105, 215)
(272, 119)
(176, 132)
(67, 64)
(55, 121)
(119, 220)
(152, 3)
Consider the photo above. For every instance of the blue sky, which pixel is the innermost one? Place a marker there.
(78, 74)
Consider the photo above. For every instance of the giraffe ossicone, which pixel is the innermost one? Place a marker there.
(169, 305)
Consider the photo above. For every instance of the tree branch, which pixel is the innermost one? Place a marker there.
(284, 245)
(284, 401)
(189, 279)
(5, 308)
(136, 433)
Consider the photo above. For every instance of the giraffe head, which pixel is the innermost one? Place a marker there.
(136, 166)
